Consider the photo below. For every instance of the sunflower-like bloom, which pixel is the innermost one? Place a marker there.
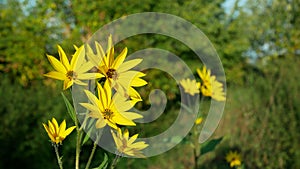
(210, 86)
(233, 158)
(110, 110)
(116, 71)
(57, 133)
(71, 72)
(190, 86)
(126, 145)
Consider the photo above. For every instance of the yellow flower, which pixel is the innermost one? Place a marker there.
(116, 71)
(210, 86)
(198, 120)
(233, 158)
(190, 86)
(57, 133)
(71, 72)
(110, 110)
(126, 145)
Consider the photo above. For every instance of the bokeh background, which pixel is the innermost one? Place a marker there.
(258, 44)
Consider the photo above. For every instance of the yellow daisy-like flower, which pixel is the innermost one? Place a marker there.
(71, 72)
(110, 110)
(126, 145)
(57, 133)
(233, 158)
(210, 86)
(198, 120)
(116, 71)
(190, 86)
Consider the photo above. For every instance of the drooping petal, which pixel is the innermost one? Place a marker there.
(67, 83)
(119, 119)
(100, 123)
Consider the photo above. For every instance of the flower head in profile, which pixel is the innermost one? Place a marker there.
(210, 86)
(127, 145)
(117, 72)
(110, 110)
(198, 120)
(190, 86)
(233, 158)
(57, 133)
(71, 72)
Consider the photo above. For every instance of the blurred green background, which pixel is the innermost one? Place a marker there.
(258, 44)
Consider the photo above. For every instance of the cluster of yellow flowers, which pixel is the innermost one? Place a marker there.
(209, 86)
(114, 98)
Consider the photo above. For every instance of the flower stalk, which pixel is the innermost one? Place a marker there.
(57, 156)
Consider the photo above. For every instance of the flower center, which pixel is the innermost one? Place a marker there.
(112, 73)
(71, 75)
(107, 114)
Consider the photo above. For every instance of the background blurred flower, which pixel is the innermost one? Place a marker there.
(210, 86)
(233, 158)
(57, 133)
(190, 86)
(198, 120)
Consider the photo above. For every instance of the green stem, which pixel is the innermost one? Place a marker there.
(78, 142)
(195, 159)
(115, 161)
(92, 153)
(58, 157)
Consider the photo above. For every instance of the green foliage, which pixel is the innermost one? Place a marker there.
(210, 145)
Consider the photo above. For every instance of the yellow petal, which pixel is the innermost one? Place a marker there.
(63, 58)
(120, 59)
(57, 65)
(54, 122)
(131, 115)
(68, 131)
(62, 128)
(78, 58)
(99, 49)
(119, 119)
(79, 82)
(100, 123)
(67, 83)
(85, 67)
(92, 97)
(56, 75)
(132, 139)
(90, 107)
(128, 65)
(89, 76)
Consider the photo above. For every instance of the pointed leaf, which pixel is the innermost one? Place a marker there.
(210, 145)
(70, 108)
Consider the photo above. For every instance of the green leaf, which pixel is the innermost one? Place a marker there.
(90, 129)
(104, 163)
(70, 108)
(210, 146)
